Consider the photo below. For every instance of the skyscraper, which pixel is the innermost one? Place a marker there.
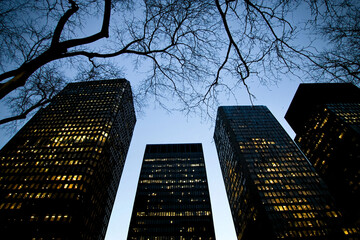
(59, 174)
(326, 119)
(272, 189)
(172, 199)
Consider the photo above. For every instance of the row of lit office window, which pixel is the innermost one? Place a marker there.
(35, 170)
(182, 230)
(281, 170)
(306, 224)
(99, 89)
(71, 130)
(160, 237)
(56, 123)
(81, 105)
(181, 167)
(298, 207)
(293, 165)
(301, 233)
(190, 171)
(178, 173)
(286, 174)
(285, 159)
(286, 187)
(260, 154)
(45, 163)
(68, 150)
(183, 160)
(61, 130)
(185, 205)
(92, 88)
(193, 193)
(195, 171)
(69, 112)
(34, 186)
(299, 192)
(42, 195)
(80, 123)
(172, 172)
(102, 98)
(302, 211)
(282, 158)
(182, 186)
(286, 181)
(75, 139)
(83, 102)
(172, 159)
(266, 148)
(162, 181)
(198, 222)
(42, 178)
(69, 126)
(75, 109)
(279, 200)
(174, 214)
(349, 231)
(270, 151)
(186, 199)
(50, 133)
(51, 218)
(11, 206)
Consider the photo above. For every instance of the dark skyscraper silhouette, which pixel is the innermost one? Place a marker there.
(172, 199)
(326, 120)
(60, 172)
(273, 191)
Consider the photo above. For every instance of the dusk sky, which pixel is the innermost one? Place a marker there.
(156, 126)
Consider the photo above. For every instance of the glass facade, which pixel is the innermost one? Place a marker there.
(60, 173)
(273, 191)
(172, 200)
(329, 135)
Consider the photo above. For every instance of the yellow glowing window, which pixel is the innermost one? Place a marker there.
(341, 135)
(13, 206)
(140, 214)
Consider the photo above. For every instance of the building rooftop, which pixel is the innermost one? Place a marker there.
(310, 95)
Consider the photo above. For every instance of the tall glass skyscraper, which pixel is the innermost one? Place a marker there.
(60, 173)
(326, 119)
(273, 191)
(172, 199)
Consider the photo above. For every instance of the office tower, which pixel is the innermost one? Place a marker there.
(273, 191)
(172, 199)
(59, 174)
(326, 120)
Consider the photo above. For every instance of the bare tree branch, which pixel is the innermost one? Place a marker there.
(60, 26)
(57, 50)
(190, 51)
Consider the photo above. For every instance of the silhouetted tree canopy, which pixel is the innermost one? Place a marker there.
(190, 50)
